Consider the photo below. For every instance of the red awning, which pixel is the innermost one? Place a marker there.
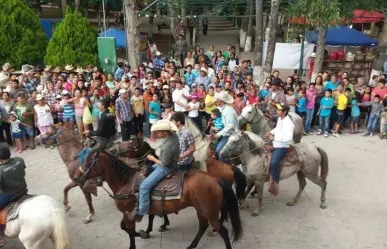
(367, 16)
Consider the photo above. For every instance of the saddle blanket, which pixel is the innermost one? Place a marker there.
(11, 211)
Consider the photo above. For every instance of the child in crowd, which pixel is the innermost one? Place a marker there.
(301, 105)
(193, 111)
(217, 121)
(154, 112)
(297, 90)
(239, 103)
(355, 112)
(201, 93)
(326, 105)
(376, 109)
(167, 114)
(291, 99)
(16, 130)
(112, 108)
(262, 94)
(342, 102)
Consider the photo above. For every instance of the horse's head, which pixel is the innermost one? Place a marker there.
(250, 114)
(237, 143)
(137, 148)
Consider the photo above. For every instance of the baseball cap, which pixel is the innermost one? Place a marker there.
(166, 87)
(122, 91)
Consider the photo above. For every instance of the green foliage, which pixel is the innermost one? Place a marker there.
(74, 42)
(22, 38)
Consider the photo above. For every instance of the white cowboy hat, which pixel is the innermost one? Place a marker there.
(48, 68)
(313, 55)
(27, 68)
(225, 97)
(79, 70)
(158, 53)
(39, 97)
(121, 91)
(57, 69)
(7, 67)
(69, 68)
(164, 125)
(203, 70)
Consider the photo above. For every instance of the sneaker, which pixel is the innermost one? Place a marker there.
(326, 134)
(305, 134)
(335, 134)
(319, 132)
(310, 133)
(371, 134)
(332, 131)
(366, 134)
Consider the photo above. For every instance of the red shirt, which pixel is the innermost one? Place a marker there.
(252, 99)
(102, 91)
(380, 92)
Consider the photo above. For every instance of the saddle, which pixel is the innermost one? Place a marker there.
(291, 158)
(11, 211)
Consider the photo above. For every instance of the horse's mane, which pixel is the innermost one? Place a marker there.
(123, 171)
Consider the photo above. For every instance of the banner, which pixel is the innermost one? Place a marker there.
(287, 55)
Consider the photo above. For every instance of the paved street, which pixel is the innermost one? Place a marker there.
(355, 218)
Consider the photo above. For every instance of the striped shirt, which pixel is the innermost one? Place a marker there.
(123, 106)
(68, 110)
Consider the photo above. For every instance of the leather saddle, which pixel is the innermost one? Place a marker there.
(292, 157)
(11, 211)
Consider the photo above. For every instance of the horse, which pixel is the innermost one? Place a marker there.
(39, 218)
(201, 191)
(259, 124)
(310, 159)
(69, 145)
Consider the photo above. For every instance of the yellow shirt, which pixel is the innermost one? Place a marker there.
(207, 100)
(342, 102)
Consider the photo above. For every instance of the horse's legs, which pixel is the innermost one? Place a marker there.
(302, 184)
(259, 188)
(146, 234)
(129, 227)
(166, 223)
(89, 201)
(323, 185)
(203, 225)
(223, 232)
(66, 191)
(243, 203)
(214, 233)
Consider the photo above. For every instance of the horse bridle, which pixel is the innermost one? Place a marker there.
(53, 138)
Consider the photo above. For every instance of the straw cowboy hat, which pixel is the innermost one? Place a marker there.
(27, 68)
(7, 67)
(203, 70)
(48, 68)
(164, 125)
(69, 68)
(225, 97)
(57, 69)
(79, 70)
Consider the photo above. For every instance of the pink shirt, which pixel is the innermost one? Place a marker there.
(311, 98)
(382, 93)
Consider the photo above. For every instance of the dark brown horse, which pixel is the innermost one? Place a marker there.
(201, 191)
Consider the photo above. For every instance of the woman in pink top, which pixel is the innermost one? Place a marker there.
(310, 101)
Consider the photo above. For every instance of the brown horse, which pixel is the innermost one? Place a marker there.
(201, 191)
(69, 145)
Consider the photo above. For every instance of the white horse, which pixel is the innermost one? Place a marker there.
(39, 218)
(253, 156)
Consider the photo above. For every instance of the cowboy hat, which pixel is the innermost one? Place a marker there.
(27, 68)
(121, 91)
(225, 97)
(7, 67)
(166, 87)
(69, 68)
(48, 68)
(79, 70)
(57, 69)
(203, 70)
(158, 53)
(313, 55)
(164, 125)
(39, 97)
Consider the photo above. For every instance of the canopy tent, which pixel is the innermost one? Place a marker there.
(119, 34)
(343, 36)
(362, 16)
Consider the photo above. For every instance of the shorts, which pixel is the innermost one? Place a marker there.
(68, 119)
(354, 120)
(340, 117)
(28, 131)
(16, 135)
(79, 119)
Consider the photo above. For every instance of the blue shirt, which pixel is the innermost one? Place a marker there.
(218, 123)
(328, 102)
(156, 107)
(189, 78)
(355, 111)
(302, 104)
(263, 93)
(196, 74)
(331, 86)
(158, 63)
(119, 73)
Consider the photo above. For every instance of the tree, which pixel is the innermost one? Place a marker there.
(63, 4)
(132, 31)
(22, 38)
(243, 29)
(249, 39)
(74, 42)
(381, 50)
(258, 48)
(273, 25)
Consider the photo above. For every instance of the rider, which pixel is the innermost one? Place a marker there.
(282, 136)
(12, 181)
(106, 127)
(275, 96)
(229, 119)
(167, 163)
(187, 142)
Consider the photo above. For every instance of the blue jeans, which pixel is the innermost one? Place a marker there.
(158, 174)
(372, 123)
(147, 129)
(222, 142)
(277, 155)
(4, 200)
(324, 123)
(308, 120)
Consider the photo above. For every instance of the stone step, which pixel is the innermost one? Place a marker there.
(218, 28)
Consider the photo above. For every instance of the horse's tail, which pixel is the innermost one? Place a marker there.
(240, 183)
(324, 164)
(60, 235)
(231, 206)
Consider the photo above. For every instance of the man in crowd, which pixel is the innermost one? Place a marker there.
(180, 98)
(181, 48)
(124, 114)
(137, 102)
(203, 78)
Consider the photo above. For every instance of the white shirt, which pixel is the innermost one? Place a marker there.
(43, 114)
(178, 95)
(211, 73)
(194, 109)
(283, 133)
(231, 65)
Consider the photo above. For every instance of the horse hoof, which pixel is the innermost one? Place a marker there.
(162, 229)
(255, 213)
(88, 219)
(67, 208)
(290, 203)
(143, 234)
(323, 206)
(212, 234)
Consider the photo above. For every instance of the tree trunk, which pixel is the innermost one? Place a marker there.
(172, 14)
(259, 33)
(132, 40)
(380, 51)
(99, 18)
(150, 32)
(185, 20)
(78, 4)
(64, 6)
(318, 61)
(249, 37)
(273, 25)
(243, 30)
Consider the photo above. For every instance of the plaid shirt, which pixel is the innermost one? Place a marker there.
(185, 139)
(123, 106)
(29, 87)
(50, 97)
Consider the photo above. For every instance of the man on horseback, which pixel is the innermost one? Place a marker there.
(186, 140)
(282, 136)
(167, 163)
(275, 96)
(229, 119)
(12, 181)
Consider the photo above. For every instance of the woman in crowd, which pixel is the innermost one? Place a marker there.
(42, 115)
(189, 60)
(9, 106)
